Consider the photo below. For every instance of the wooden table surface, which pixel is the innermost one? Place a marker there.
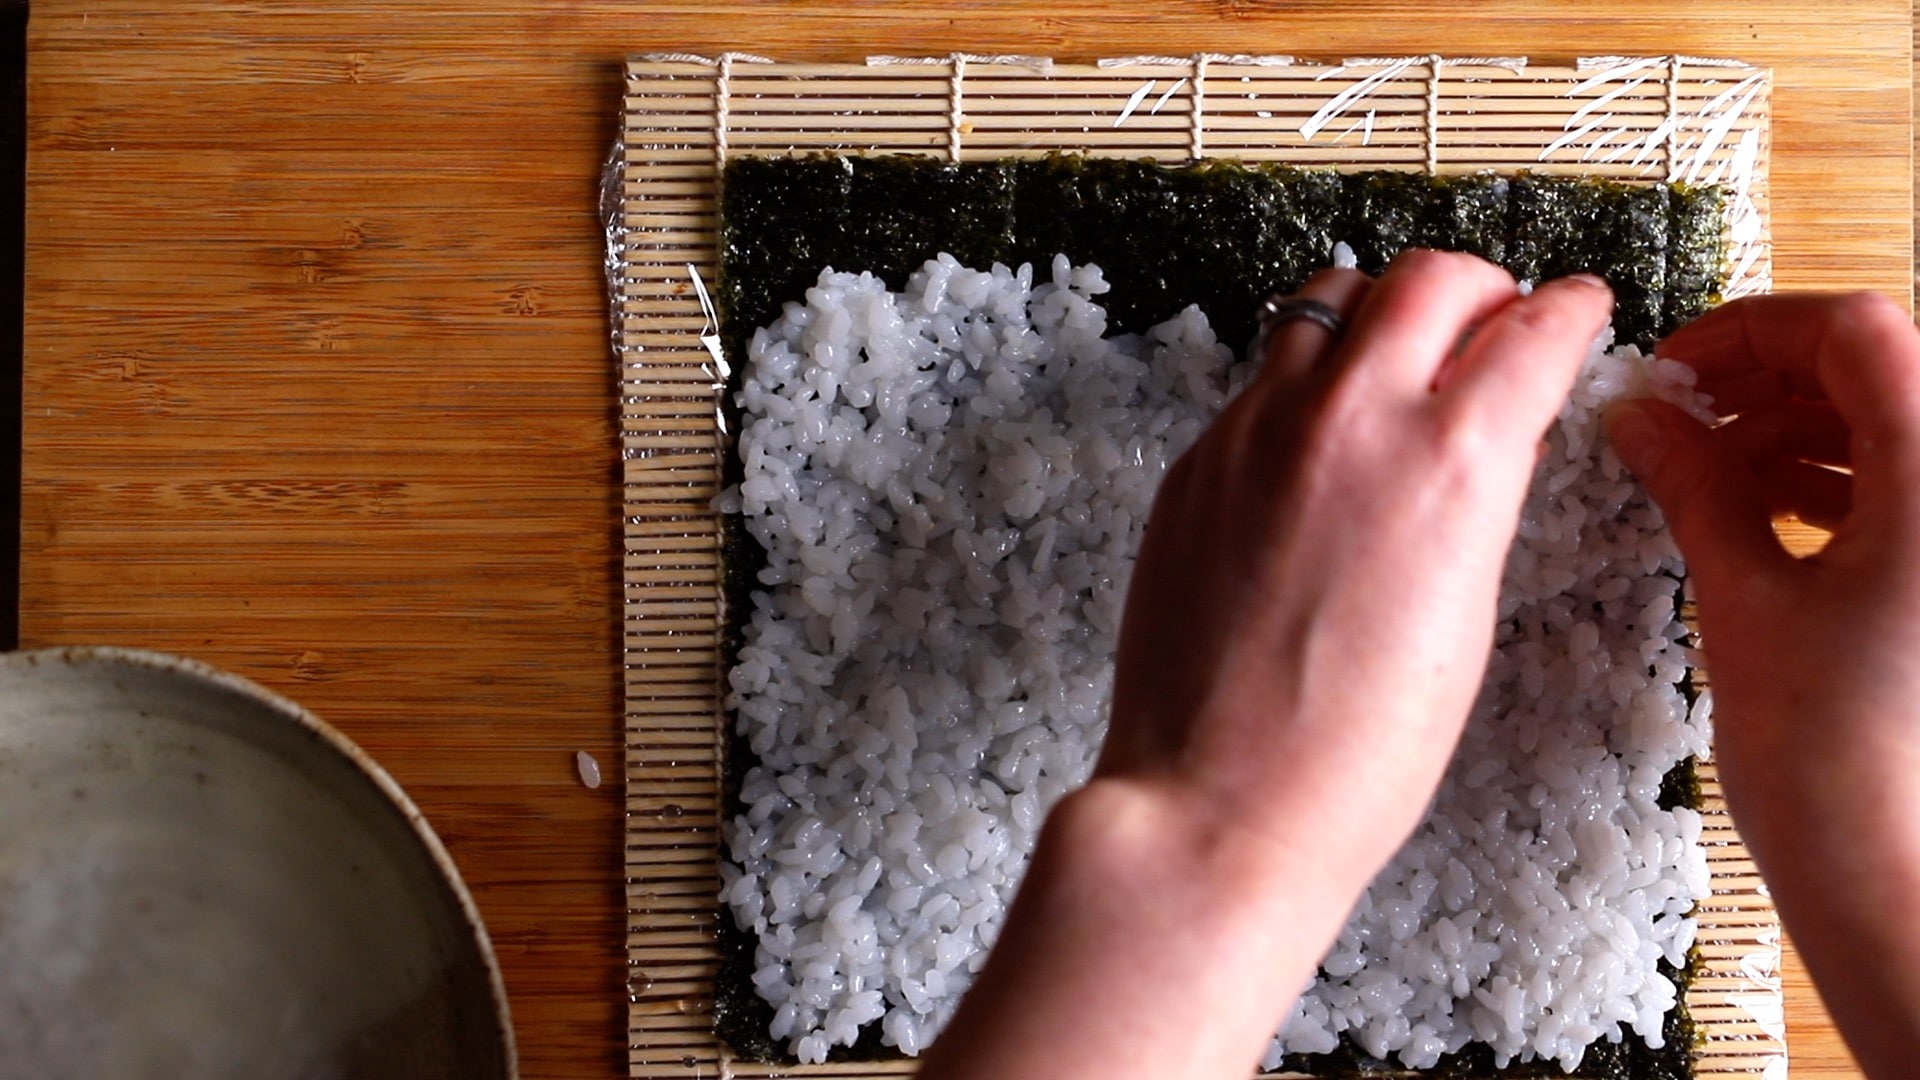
(318, 385)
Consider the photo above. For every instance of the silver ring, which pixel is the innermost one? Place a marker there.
(1277, 310)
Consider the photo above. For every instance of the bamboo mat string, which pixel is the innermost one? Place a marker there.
(721, 87)
(1433, 113)
(955, 87)
(1672, 123)
(1197, 139)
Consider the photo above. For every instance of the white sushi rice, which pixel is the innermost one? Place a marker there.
(951, 485)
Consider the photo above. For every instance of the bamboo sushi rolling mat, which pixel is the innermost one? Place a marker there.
(1674, 118)
(316, 380)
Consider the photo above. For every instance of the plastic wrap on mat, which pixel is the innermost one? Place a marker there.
(1678, 118)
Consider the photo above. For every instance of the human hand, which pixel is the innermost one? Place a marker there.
(1315, 599)
(1815, 662)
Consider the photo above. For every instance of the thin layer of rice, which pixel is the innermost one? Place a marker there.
(951, 485)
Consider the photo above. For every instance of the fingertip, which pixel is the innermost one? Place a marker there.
(1875, 310)
(1875, 335)
(1415, 316)
(1419, 261)
(1522, 358)
(1784, 332)
(1646, 434)
(1578, 305)
(1711, 331)
(1715, 506)
(1587, 291)
(1719, 344)
(1638, 435)
(1868, 364)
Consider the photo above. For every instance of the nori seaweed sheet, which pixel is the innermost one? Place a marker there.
(1218, 234)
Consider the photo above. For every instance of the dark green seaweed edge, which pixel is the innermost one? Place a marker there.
(1217, 229)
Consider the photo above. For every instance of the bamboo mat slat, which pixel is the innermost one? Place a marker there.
(1646, 119)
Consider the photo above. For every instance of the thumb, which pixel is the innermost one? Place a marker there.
(1713, 501)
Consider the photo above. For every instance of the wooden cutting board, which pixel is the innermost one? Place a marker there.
(318, 385)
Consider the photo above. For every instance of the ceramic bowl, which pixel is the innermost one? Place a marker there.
(198, 878)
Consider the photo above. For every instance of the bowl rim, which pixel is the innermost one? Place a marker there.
(396, 797)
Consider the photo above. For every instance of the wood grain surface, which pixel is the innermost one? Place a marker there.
(318, 385)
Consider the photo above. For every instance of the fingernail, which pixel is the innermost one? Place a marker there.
(1589, 280)
(1638, 436)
